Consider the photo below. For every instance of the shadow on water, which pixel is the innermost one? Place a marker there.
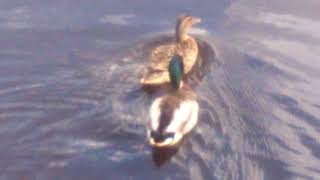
(161, 155)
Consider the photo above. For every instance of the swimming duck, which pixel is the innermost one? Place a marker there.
(184, 45)
(174, 114)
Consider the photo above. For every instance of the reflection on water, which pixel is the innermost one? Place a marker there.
(71, 106)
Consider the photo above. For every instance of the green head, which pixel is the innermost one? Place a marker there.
(176, 71)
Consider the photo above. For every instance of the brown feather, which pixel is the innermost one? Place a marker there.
(159, 59)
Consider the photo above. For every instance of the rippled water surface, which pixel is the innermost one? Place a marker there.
(71, 106)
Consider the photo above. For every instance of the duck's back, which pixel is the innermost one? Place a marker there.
(188, 49)
(160, 56)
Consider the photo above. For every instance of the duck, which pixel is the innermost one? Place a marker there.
(174, 114)
(183, 45)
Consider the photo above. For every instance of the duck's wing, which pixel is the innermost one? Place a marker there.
(188, 49)
(185, 117)
(192, 119)
(160, 57)
(155, 77)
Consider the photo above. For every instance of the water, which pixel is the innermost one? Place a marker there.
(71, 107)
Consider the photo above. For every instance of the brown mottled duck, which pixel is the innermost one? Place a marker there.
(184, 45)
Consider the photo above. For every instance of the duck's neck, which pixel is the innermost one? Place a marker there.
(181, 33)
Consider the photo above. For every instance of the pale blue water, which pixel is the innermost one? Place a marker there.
(71, 107)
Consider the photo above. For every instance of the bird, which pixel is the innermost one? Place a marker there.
(174, 114)
(184, 45)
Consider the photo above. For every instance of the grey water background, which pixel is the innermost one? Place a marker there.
(71, 107)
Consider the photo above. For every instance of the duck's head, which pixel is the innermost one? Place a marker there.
(184, 23)
(173, 115)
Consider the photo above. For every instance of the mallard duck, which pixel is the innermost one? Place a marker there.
(174, 114)
(184, 45)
